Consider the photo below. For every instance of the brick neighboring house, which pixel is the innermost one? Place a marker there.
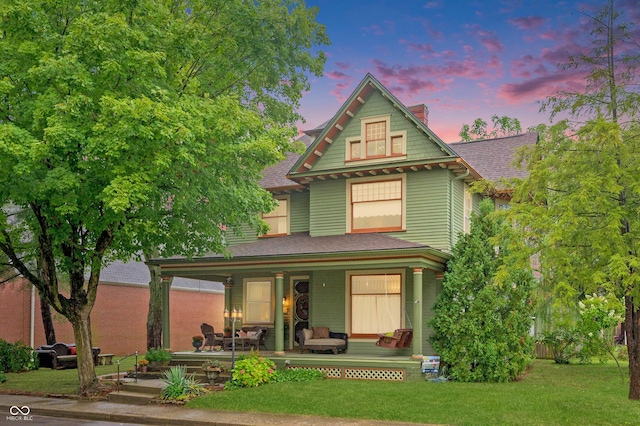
(119, 317)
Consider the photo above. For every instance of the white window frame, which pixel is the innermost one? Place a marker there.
(247, 319)
(370, 179)
(347, 286)
(388, 138)
(279, 198)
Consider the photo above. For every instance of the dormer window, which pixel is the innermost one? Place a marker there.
(376, 141)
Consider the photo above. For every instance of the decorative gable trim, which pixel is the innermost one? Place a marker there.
(348, 110)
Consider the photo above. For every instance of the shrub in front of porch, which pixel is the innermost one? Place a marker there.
(255, 370)
(482, 322)
(250, 371)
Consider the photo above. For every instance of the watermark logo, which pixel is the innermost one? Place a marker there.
(19, 413)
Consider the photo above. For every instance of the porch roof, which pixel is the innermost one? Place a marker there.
(300, 252)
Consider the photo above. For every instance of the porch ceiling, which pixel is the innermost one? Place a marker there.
(300, 252)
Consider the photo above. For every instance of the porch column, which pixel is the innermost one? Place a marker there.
(417, 314)
(279, 322)
(166, 318)
(228, 285)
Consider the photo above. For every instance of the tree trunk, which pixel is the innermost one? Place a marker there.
(154, 317)
(89, 383)
(47, 322)
(632, 329)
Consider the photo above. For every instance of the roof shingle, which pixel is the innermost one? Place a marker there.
(493, 158)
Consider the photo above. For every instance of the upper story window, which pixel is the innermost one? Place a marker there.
(376, 140)
(377, 206)
(278, 219)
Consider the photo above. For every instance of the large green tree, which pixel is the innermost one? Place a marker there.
(578, 209)
(258, 50)
(481, 326)
(123, 130)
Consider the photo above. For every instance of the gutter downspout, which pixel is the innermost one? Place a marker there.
(451, 219)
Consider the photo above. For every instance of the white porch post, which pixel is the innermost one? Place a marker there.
(166, 317)
(279, 322)
(417, 314)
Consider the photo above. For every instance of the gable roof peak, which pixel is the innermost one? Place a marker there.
(331, 129)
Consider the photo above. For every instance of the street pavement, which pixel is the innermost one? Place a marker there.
(21, 409)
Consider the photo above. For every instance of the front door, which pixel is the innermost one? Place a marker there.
(300, 306)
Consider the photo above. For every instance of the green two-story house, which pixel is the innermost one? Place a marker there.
(366, 221)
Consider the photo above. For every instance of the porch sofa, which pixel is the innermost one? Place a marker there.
(61, 355)
(322, 339)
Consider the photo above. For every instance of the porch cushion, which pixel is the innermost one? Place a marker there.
(325, 342)
(242, 333)
(320, 332)
(308, 334)
(251, 334)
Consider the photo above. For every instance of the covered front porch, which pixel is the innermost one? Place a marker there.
(360, 284)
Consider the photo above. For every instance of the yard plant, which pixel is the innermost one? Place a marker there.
(481, 326)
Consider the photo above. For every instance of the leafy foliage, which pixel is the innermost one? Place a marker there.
(481, 327)
(250, 371)
(502, 126)
(128, 127)
(213, 364)
(563, 342)
(157, 355)
(17, 357)
(180, 386)
(578, 209)
(297, 375)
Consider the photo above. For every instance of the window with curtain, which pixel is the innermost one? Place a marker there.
(376, 304)
(376, 206)
(278, 219)
(258, 302)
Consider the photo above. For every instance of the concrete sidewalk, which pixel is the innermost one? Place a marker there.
(155, 414)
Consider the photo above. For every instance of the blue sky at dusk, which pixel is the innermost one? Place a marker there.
(463, 59)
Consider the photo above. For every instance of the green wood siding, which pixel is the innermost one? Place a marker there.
(328, 208)
(299, 210)
(457, 223)
(430, 290)
(327, 300)
(250, 236)
(427, 208)
(418, 144)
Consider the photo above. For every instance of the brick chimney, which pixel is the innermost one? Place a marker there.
(421, 112)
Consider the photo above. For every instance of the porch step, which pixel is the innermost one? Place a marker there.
(129, 397)
(149, 387)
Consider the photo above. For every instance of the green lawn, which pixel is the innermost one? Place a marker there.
(550, 394)
(48, 381)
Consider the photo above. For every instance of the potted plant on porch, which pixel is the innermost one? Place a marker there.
(197, 342)
(158, 358)
(143, 364)
(227, 331)
(212, 368)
